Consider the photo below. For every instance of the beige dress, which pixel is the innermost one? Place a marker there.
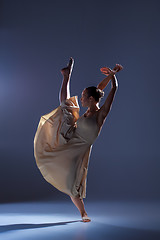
(62, 147)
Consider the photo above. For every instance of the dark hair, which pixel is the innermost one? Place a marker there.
(95, 92)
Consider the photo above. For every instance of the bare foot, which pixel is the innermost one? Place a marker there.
(68, 70)
(85, 218)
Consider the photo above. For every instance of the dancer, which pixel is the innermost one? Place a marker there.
(63, 140)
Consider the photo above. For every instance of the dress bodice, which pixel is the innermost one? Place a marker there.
(87, 128)
(77, 128)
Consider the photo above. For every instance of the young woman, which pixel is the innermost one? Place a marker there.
(63, 141)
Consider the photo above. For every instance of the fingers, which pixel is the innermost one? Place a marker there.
(103, 68)
(107, 70)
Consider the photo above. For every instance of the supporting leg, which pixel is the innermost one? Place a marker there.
(78, 202)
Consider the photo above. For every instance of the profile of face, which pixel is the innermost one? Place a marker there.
(84, 98)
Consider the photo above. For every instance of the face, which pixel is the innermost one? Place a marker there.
(84, 99)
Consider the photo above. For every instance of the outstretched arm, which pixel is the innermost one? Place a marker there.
(65, 87)
(104, 82)
(104, 110)
(107, 71)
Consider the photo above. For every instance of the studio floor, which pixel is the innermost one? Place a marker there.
(58, 220)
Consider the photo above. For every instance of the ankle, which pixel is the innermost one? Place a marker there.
(83, 214)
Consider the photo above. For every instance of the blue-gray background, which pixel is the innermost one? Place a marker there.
(36, 39)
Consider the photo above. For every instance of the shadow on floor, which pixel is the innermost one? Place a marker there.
(104, 231)
(30, 226)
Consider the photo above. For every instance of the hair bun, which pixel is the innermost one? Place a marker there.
(95, 92)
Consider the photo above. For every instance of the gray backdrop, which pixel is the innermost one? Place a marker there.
(37, 38)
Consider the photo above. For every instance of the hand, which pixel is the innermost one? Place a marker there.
(106, 70)
(118, 67)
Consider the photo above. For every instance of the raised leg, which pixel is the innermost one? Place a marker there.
(78, 202)
(65, 87)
